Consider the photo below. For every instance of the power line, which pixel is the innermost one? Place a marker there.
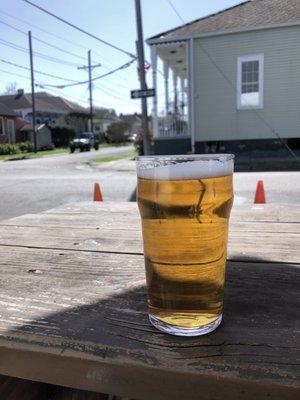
(70, 94)
(28, 78)
(175, 11)
(113, 90)
(126, 65)
(80, 29)
(50, 90)
(37, 54)
(107, 91)
(63, 39)
(45, 31)
(12, 73)
(43, 41)
(36, 71)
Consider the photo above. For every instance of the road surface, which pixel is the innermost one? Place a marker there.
(31, 186)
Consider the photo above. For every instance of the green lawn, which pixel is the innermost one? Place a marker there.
(116, 157)
(39, 154)
(61, 150)
(104, 145)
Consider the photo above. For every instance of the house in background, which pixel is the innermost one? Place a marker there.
(75, 115)
(133, 121)
(7, 124)
(235, 79)
(102, 118)
(43, 135)
(51, 110)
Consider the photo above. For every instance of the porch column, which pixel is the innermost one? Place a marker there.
(175, 78)
(166, 77)
(191, 92)
(154, 84)
(182, 105)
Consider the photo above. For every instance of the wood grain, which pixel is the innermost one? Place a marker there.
(73, 308)
(89, 309)
(278, 242)
(248, 212)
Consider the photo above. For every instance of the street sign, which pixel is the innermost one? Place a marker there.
(137, 94)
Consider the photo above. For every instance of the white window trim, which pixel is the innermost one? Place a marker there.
(240, 60)
(2, 124)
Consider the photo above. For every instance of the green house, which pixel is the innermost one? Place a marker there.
(231, 80)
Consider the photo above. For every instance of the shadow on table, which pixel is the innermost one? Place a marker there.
(133, 196)
(259, 307)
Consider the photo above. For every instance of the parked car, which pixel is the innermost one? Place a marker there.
(85, 142)
(132, 137)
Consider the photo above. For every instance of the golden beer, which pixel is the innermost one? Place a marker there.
(185, 229)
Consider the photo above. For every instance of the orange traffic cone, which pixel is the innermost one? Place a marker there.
(97, 193)
(260, 193)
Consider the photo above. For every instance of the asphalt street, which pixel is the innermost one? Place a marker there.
(31, 186)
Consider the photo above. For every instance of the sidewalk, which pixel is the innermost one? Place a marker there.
(124, 165)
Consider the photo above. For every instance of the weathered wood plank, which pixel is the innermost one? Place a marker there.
(78, 318)
(130, 221)
(246, 212)
(252, 242)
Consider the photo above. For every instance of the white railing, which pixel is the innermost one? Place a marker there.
(173, 126)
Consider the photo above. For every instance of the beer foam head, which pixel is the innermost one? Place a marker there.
(184, 167)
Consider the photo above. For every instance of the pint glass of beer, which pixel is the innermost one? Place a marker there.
(185, 203)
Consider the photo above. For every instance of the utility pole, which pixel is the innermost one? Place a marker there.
(90, 67)
(142, 77)
(32, 92)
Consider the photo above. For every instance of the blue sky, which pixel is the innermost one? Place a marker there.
(112, 20)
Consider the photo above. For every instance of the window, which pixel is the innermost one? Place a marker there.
(250, 83)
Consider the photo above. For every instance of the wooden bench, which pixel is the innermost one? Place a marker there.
(73, 308)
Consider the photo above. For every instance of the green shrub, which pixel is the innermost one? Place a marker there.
(48, 147)
(6, 149)
(61, 135)
(26, 147)
(116, 132)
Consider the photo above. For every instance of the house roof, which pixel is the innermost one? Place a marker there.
(249, 14)
(29, 128)
(105, 113)
(130, 118)
(18, 102)
(61, 103)
(4, 110)
(44, 102)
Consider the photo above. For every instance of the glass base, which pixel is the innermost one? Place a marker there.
(180, 331)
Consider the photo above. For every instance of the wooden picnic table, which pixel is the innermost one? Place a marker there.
(73, 307)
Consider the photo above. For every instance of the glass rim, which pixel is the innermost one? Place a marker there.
(221, 157)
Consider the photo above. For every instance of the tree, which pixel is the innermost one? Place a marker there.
(102, 112)
(11, 88)
(116, 130)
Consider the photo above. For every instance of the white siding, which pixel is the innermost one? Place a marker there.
(216, 114)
